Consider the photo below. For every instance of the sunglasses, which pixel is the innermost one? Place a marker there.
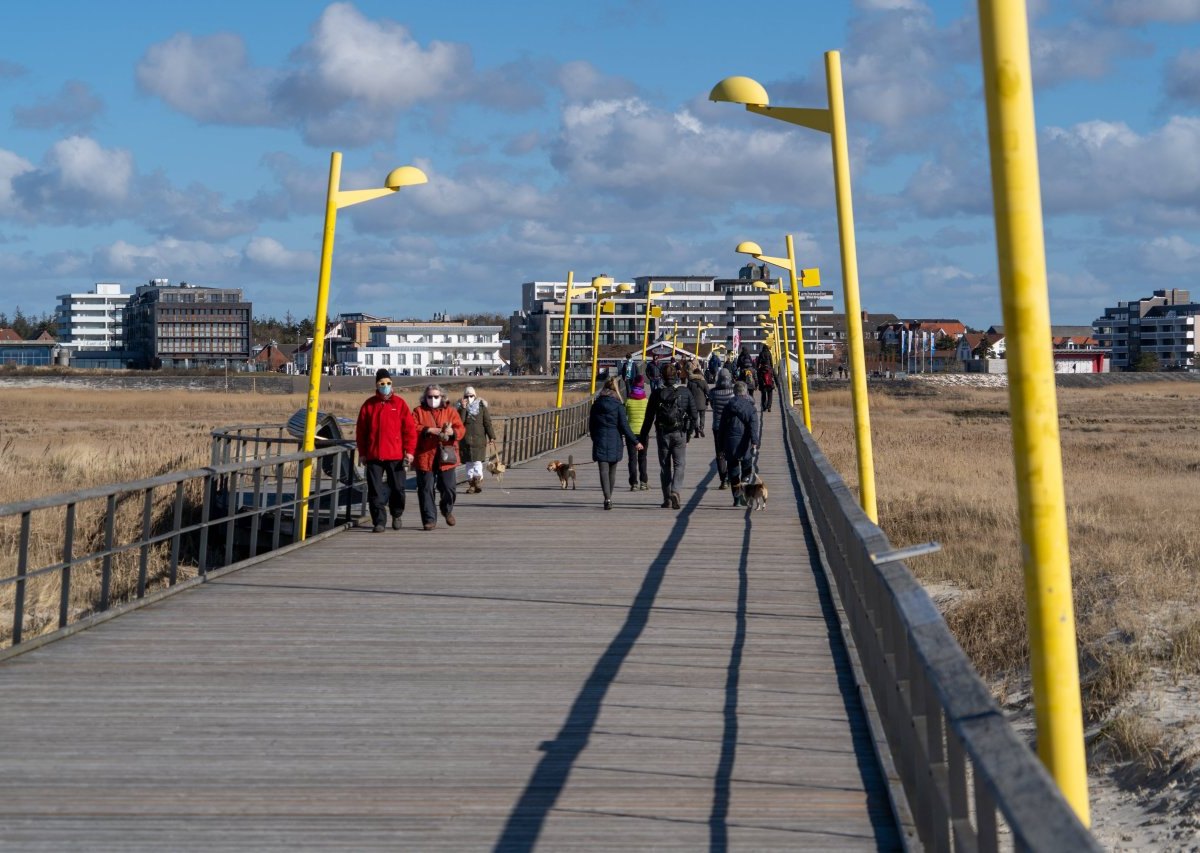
(382, 384)
(433, 396)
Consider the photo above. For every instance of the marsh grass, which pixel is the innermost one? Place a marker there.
(944, 471)
(54, 441)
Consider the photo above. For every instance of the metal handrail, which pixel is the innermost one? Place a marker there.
(220, 510)
(519, 437)
(957, 757)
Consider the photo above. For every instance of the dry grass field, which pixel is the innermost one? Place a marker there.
(1131, 454)
(55, 440)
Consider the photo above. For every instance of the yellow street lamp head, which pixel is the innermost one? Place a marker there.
(624, 287)
(599, 281)
(747, 247)
(405, 176)
(740, 90)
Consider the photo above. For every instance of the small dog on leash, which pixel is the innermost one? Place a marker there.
(565, 471)
(755, 493)
(497, 468)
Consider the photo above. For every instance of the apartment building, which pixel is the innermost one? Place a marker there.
(1162, 325)
(186, 326)
(730, 305)
(93, 320)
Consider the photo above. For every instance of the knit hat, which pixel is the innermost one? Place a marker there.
(382, 373)
(469, 391)
(638, 389)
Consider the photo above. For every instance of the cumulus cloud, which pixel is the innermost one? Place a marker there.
(209, 78)
(73, 108)
(11, 165)
(178, 260)
(1079, 51)
(1134, 13)
(1183, 77)
(346, 85)
(77, 178)
(269, 254)
(1169, 255)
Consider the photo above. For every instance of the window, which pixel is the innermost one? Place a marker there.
(401, 359)
(417, 359)
(387, 359)
(369, 360)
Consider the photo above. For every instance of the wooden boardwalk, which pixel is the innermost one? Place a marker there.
(543, 675)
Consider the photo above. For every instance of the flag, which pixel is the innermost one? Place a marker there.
(737, 341)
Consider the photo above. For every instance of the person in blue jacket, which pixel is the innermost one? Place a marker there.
(739, 435)
(609, 428)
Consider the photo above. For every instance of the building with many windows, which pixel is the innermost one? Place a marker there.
(92, 321)
(185, 326)
(447, 348)
(1162, 325)
(730, 305)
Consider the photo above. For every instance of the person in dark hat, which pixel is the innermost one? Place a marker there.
(387, 438)
(635, 411)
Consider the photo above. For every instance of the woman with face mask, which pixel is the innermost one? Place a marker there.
(387, 438)
(439, 430)
(473, 411)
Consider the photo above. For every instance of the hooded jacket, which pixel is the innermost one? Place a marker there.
(425, 458)
(608, 427)
(740, 428)
(719, 396)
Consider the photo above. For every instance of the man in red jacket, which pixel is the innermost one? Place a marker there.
(387, 439)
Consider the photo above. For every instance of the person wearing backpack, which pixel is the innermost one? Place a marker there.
(719, 396)
(766, 386)
(739, 436)
(672, 411)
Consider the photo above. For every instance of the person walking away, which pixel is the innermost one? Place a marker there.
(719, 396)
(699, 389)
(608, 425)
(672, 411)
(739, 435)
(766, 386)
(652, 374)
(635, 411)
(386, 435)
(473, 412)
(744, 361)
(439, 430)
(714, 364)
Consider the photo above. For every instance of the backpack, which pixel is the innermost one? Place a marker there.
(768, 380)
(671, 415)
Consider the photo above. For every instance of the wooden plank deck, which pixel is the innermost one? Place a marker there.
(544, 675)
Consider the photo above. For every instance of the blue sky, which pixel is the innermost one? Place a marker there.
(191, 141)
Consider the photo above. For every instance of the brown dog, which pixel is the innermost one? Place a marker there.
(497, 468)
(565, 471)
(755, 494)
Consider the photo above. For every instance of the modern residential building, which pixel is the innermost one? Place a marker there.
(730, 305)
(186, 326)
(445, 348)
(1162, 325)
(92, 321)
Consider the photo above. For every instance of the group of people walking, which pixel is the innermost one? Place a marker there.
(432, 439)
(676, 410)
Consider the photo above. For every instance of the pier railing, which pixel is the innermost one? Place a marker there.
(970, 781)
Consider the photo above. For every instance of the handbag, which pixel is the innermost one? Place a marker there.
(447, 455)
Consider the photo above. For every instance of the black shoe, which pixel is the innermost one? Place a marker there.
(666, 504)
(633, 487)
(607, 503)
(724, 485)
(674, 500)
(395, 522)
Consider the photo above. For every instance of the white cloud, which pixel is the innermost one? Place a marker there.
(77, 179)
(1183, 77)
(268, 253)
(1138, 12)
(73, 108)
(1079, 51)
(208, 78)
(1170, 255)
(178, 260)
(11, 165)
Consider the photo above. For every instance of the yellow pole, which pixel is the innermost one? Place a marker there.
(646, 333)
(316, 356)
(1037, 455)
(562, 356)
(595, 344)
(783, 347)
(849, 253)
(802, 362)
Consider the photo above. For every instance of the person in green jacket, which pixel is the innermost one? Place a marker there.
(635, 410)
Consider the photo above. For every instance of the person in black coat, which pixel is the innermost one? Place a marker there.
(739, 435)
(609, 428)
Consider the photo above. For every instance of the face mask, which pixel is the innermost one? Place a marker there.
(384, 390)
(433, 402)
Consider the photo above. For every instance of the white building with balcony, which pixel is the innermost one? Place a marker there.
(427, 349)
(92, 321)
(1162, 325)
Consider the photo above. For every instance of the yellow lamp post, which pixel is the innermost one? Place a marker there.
(603, 306)
(651, 295)
(743, 90)
(700, 327)
(778, 311)
(335, 199)
(1037, 455)
(598, 284)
